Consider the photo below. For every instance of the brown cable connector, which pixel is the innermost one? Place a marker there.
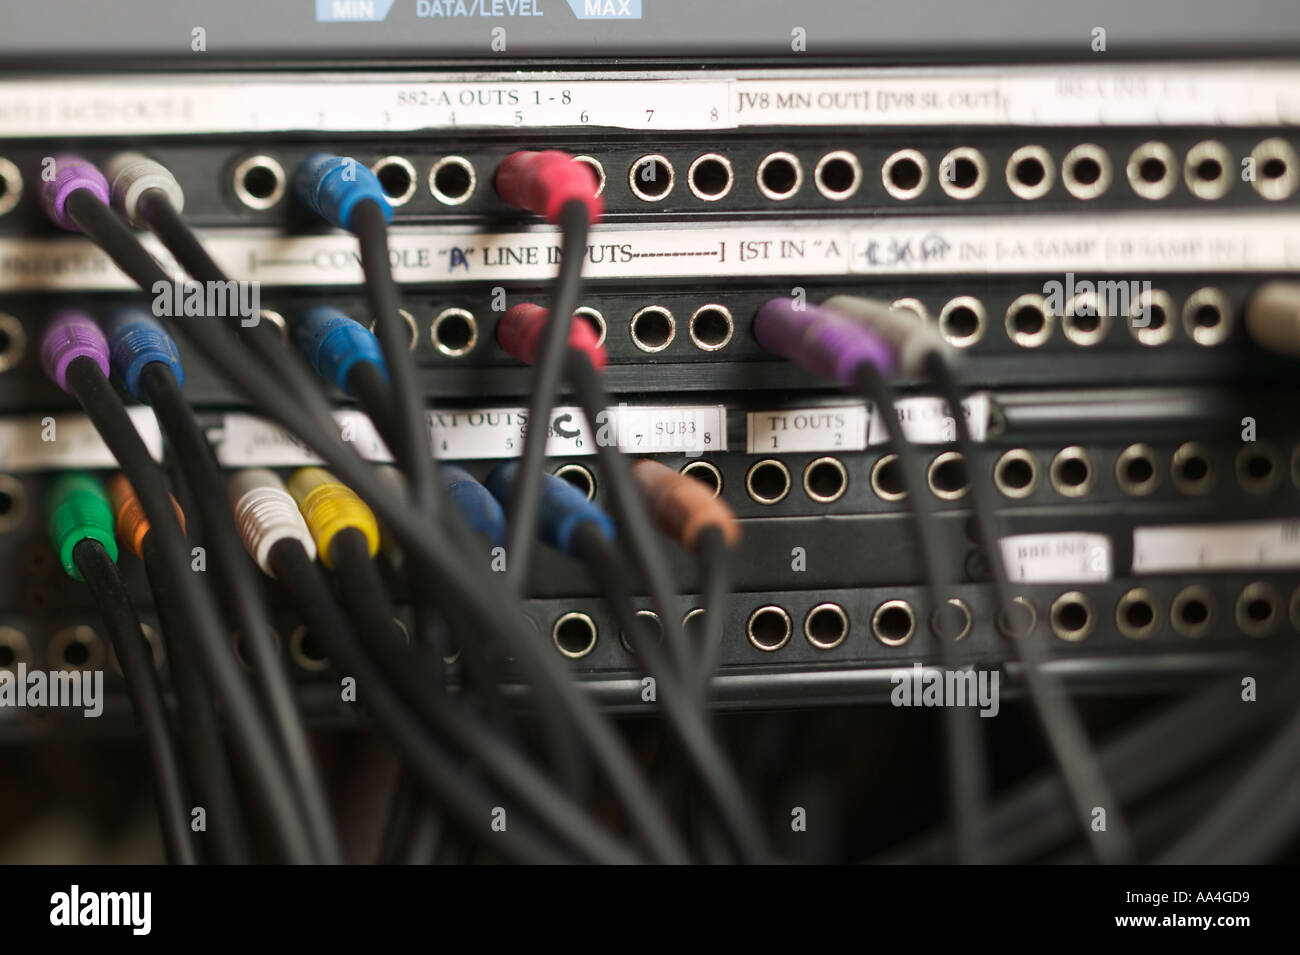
(681, 507)
(128, 514)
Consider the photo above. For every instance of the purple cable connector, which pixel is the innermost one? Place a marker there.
(70, 174)
(72, 335)
(821, 341)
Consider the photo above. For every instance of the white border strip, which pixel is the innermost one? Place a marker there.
(1185, 93)
(245, 440)
(1085, 244)
(1244, 545)
(66, 440)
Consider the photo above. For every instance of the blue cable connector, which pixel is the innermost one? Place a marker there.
(333, 186)
(333, 343)
(563, 507)
(136, 339)
(475, 502)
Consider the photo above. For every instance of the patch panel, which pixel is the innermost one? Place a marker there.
(736, 174)
(784, 502)
(1007, 330)
(845, 635)
(1081, 262)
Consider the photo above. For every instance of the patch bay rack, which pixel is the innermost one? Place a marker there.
(1096, 258)
(963, 195)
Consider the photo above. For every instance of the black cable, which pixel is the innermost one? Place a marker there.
(398, 407)
(437, 771)
(716, 577)
(264, 339)
(413, 827)
(275, 790)
(963, 746)
(487, 615)
(412, 451)
(1038, 814)
(1168, 816)
(525, 499)
(242, 593)
(1261, 796)
(1267, 832)
(364, 594)
(366, 382)
(368, 385)
(685, 717)
(359, 582)
(373, 392)
(205, 750)
(629, 508)
(1085, 781)
(422, 838)
(133, 653)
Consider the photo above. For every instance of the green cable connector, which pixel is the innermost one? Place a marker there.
(78, 509)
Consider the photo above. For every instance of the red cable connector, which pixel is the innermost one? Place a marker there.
(520, 333)
(542, 182)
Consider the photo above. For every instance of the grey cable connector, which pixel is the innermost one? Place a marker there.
(909, 337)
(131, 175)
(1273, 317)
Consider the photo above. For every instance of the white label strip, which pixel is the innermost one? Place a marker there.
(787, 430)
(1245, 545)
(177, 104)
(1084, 245)
(1075, 244)
(1099, 94)
(647, 429)
(499, 432)
(1057, 558)
(927, 419)
(63, 441)
(247, 441)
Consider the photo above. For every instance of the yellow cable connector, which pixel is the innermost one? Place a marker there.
(329, 507)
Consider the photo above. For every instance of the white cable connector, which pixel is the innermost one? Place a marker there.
(131, 175)
(266, 514)
(1273, 317)
(904, 332)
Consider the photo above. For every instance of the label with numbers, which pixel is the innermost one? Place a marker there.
(58, 441)
(650, 429)
(829, 428)
(266, 103)
(459, 434)
(1243, 545)
(1057, 558)
(1261, 93)
(500, 432)
(926, 419)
